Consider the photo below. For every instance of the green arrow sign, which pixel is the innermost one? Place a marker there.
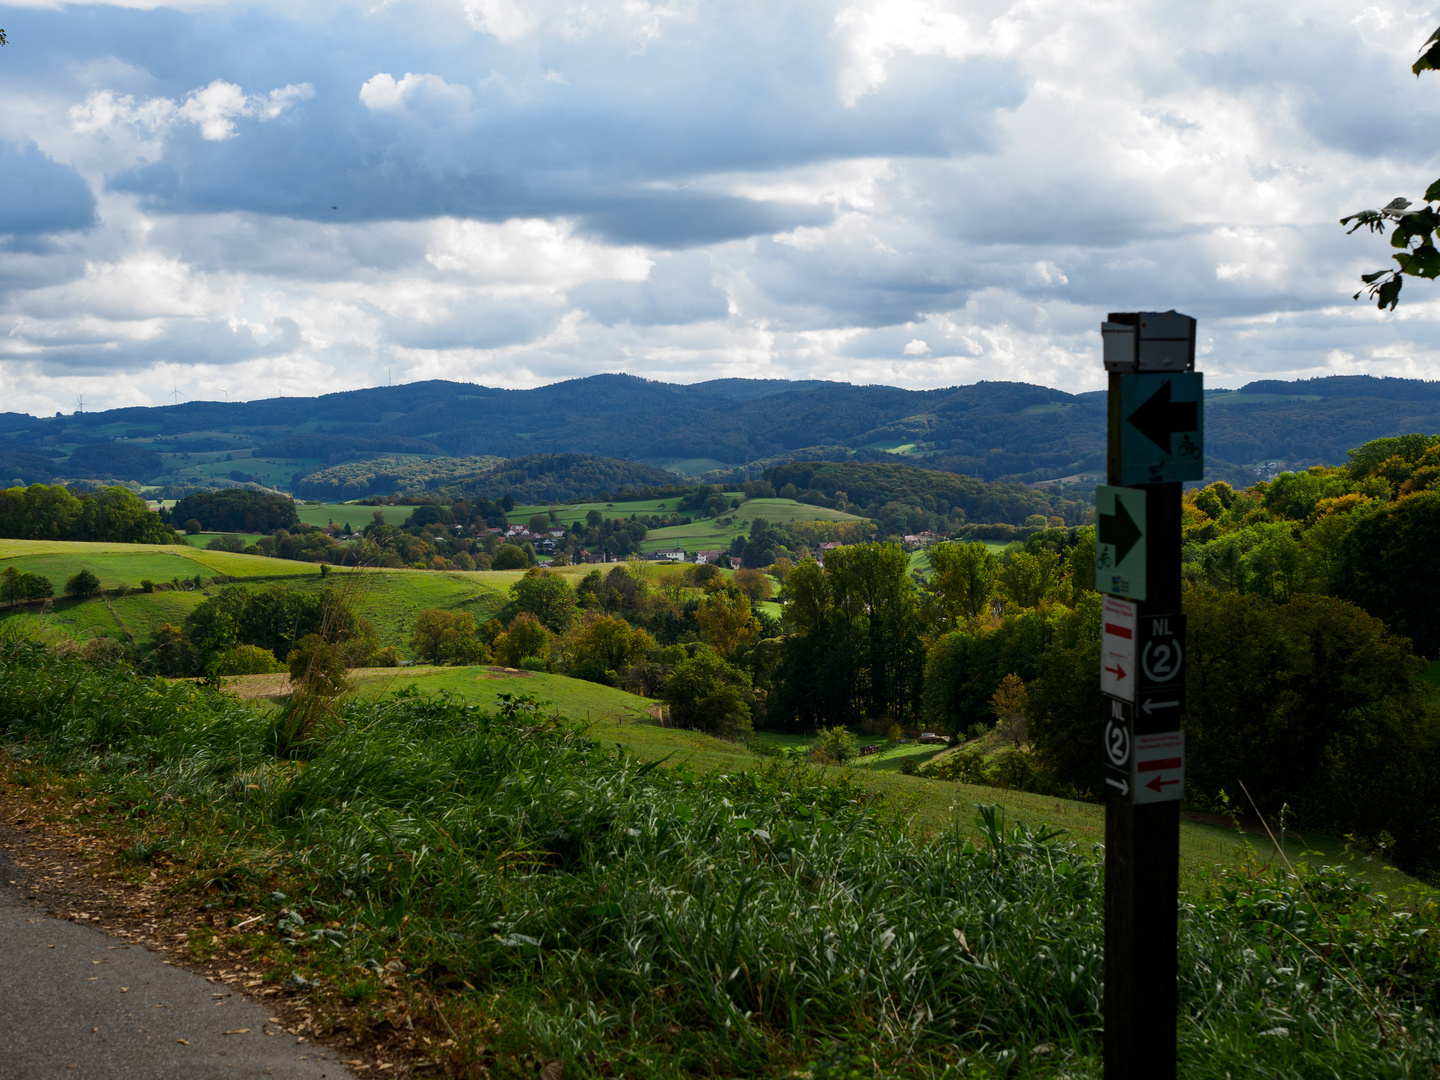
(1120, 541)
(1161, 427)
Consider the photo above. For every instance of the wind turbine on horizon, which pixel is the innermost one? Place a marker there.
(79, 403)
(175, 393)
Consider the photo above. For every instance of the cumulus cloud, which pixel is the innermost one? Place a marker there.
(919, 192)
(213, 109)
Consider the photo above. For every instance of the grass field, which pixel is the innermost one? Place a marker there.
(199, 540)
(708, 533)
(569, 513)
(549, 899)
(322, 514)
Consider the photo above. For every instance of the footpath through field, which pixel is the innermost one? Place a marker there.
(76, 1003)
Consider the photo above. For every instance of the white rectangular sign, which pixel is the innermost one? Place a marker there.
(1158, 770)
(1117, 648)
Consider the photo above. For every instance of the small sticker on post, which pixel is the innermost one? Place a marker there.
(1158, 768)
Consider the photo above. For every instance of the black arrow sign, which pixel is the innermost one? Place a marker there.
(1158, 417)
(1119, 529)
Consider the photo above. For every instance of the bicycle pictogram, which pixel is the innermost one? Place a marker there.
(1188, 448)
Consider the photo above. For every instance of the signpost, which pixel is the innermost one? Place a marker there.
(1156, 441)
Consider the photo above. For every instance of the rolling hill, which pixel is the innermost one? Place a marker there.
(735, 427)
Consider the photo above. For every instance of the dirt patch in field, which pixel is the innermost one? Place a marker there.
(504, 673)
(248, 687)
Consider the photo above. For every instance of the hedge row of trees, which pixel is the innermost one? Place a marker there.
(51, 512)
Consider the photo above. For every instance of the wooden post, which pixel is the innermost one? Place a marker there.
(1142, 867)
(1142, 838)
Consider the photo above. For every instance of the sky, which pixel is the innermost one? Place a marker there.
(216, 200)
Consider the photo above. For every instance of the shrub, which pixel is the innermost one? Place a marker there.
(228, 542)
(146, 585)
(245, 660)
(82, 583)
(531, 663)
(316, 667)
(837, 744)
(389, 656)
(908, 766)
(964, 765)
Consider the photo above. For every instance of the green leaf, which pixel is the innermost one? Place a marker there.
(1389, 293)
(1432, 193)
(1429, 60)
(1423, 262)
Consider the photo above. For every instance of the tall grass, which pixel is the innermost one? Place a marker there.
(642, 921)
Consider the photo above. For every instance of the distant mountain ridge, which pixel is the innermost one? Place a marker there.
(992, 430)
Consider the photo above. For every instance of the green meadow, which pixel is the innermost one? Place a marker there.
(322, 514)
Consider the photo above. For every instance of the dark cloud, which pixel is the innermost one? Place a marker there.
(41, 195)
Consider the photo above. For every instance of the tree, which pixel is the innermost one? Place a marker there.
(547, 596)
(539, 523)
(753, 582)
(726, 621)
(1413, 231)
(82, 583)
(610, 643)
(1008, 706)
(510, 557)
(1389, 564)
(524, 638)
(17, 585)
(445, 636)
(1028, 579)
(707, 694)
(192, 525)
(963, 580)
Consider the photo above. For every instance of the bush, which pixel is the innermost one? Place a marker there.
(245, 660)
(908, 766)
(316, 667)
(837, 744)
(389, 656)
(146, 585)
(229, 542)
(531, 663)
(963, 765)
(82, 583)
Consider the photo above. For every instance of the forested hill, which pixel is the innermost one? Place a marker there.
(992, 430)
(537, 478)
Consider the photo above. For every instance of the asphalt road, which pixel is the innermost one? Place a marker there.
(76, 1004)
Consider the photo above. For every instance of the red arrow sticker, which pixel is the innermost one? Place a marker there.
(1158, 769)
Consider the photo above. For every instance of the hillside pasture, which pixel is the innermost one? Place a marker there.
(199, 540)
(321, 514)
(570, 513)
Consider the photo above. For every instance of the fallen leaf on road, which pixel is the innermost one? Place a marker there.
(124, 989)
(238, 1031)
(183, 1042)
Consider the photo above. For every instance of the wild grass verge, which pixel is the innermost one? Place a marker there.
(542, 897)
